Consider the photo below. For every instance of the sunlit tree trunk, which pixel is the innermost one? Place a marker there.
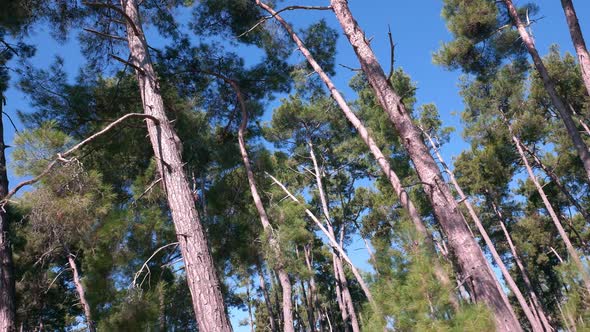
(549, 85)
(339, 274)
(564, 237)
(81, 293)
(7, 304)
(536, 304)
(469, 256)
(558, 183)
(578, 40)
(362, 131)
(535, 323)
(203, 282)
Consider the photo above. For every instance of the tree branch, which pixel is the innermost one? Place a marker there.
(61, 156)
(266, 18)
(118, 10)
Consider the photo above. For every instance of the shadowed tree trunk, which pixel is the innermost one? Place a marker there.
(549, 85)
(203, 282)
(7, 305)
(81, 293)
(578, 40)
(564, 237)
(383, 162)
(469, 256)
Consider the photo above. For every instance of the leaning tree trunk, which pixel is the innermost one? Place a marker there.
(536, 304)
(465, 248)
(339, 274)
(274, 245)
(564, 237)
(383, 162)
(81, 293)
(203, 282)
(7, 306)
(558, 183)
(528, 311)
(549, 85)
(578, 40)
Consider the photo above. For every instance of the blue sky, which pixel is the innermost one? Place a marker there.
(417, 29)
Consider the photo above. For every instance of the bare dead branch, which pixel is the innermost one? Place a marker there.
(118, 10)
(60, 156)
(138, 273)
(392, 55)
(266, 18)
(128, 63)
(105, 35)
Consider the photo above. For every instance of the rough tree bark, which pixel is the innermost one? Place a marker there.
(339, 274)
(7, 305)
(373, 148)
(564, 237)
(549, 85)
(203, 282)
(528, 311)
(578, 40)
(81, 293)
(466, 250)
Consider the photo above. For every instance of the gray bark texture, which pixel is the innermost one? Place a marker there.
(203, 282)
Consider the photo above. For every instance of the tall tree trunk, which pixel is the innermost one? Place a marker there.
(81, 294)
(264, 220)
(549, 85)
(203, 282)
(373, 148)
(267, 301)
(564, 237)
(578, 40)
(307, 302)
(339, 268)
(469, 256)
(249, 305)
(339, 299)
(535, 324)
(7, 305)
(536, 304)
(313, 293)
